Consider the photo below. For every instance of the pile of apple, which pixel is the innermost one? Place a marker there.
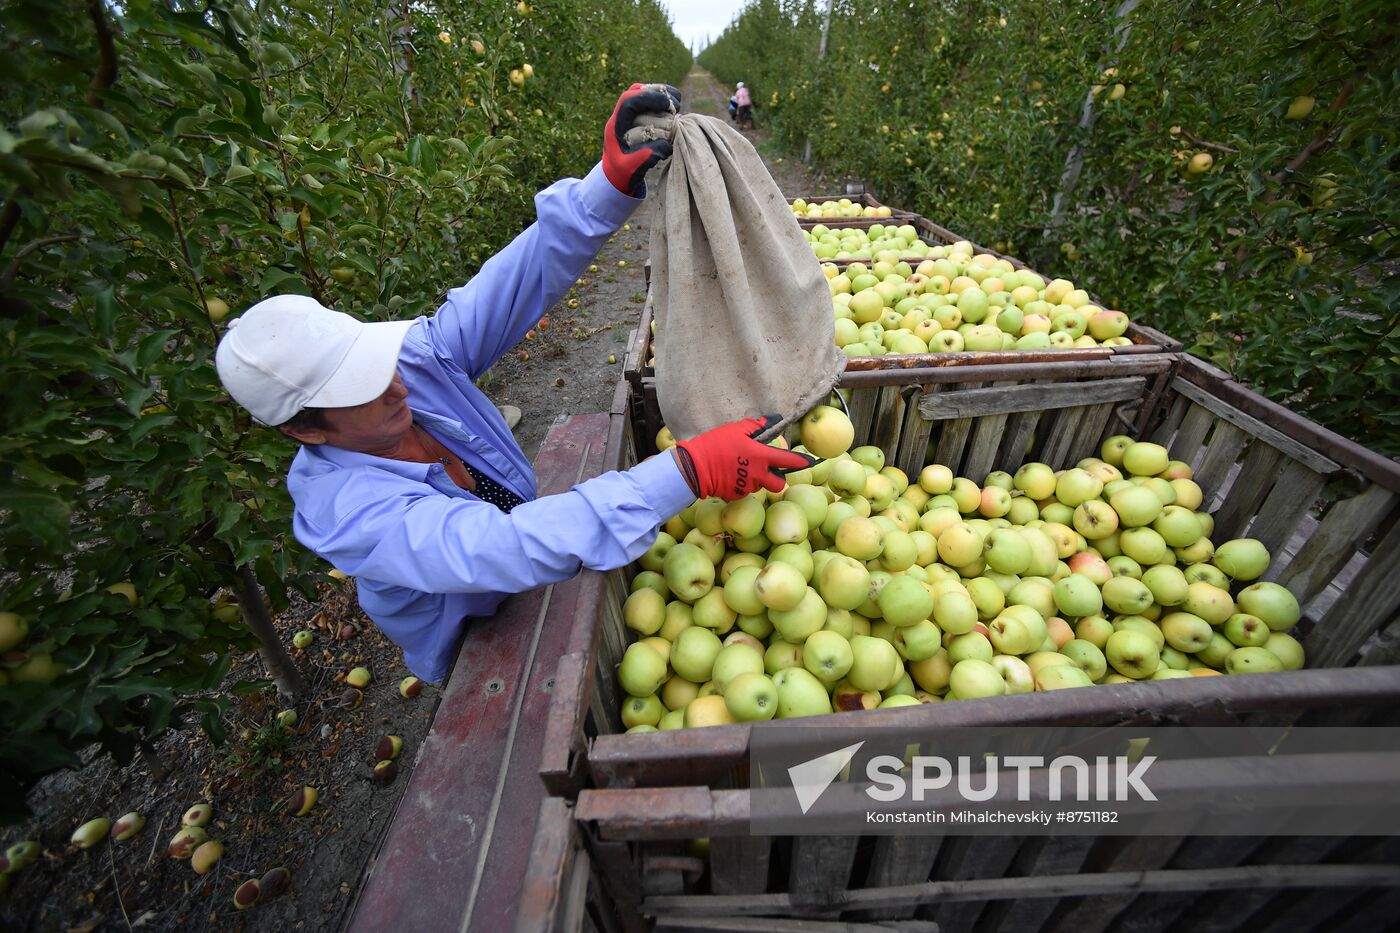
(957, 300)
(860, 243)
(857, 588)
(843, 207)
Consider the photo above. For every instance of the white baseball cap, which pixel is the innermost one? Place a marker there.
(288, 352)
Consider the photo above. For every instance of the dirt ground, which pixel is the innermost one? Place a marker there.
(570, 365)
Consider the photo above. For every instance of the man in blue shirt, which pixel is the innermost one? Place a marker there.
(409, 479)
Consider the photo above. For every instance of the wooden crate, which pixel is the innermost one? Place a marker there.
(1326, 507)
(1261, 467)
(865, 199)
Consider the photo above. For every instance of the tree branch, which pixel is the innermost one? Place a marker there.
(106, 74)
(13, 269)
(279, 664)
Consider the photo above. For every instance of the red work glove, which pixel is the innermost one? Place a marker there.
(727, 462)
(626, 166)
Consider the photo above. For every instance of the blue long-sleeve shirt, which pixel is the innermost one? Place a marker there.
(427, 554)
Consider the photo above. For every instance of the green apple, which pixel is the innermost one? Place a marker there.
(1144, 459)
(693, 654)
(811, 499)
(1126, 596)
(1095, 519)
(1007, 550)
(1132, 653)
(742, 518)
(873, 662)
(642, 711)
(689, 573)
(1175, 658)
(751, 697)
(827, 655)
(966, 495)
(935, 479)
(1185, 631)
(932, 673)
(1087, 656)
(1168, 585)
(836, 513)
(800, 694)
(1015, 673)
(1036, 480)
(898, 551)
(905, 601)
(826, 431)
(1169, 673)
(959, 545)
(1287, 649)
(1076, 486)
(1207, 573)
(785, 522)
(1061, 677)
(1141, 624)
(847, 697)
(1209, 602)
(1273, 603)
(712, 612)
(1112, 449)
(987, 596)
(642, 670)
(733, 660)
(1036, 592)
(1178, 527)
(1136, 506)
(656, 554)
(740, 593)
(1077, 596)
(973, 678)
(780, 656)
(679, 616)
(955, 612)
(1094, 629)
(859, 538)
(847, 478)
(677, 692)
(780, 587)
(918, 641)
(840, 621)
(1189, 496)
(972, 645)
(1252, 661)
(798, 554)
(1197, 552)
(1217, 651)
(651, 580)
(759, 626)
(1246, 631)
(1009, 634)
(675, 719)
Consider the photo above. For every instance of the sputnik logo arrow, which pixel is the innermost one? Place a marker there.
(811, 778)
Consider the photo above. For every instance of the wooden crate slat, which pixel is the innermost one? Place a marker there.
(1195, 426)
(1290, 499)
(1020, 430)
(1165, 431)
(888, 418)
(739, 864)
(1006, 399)
(1298, 451)
(1309, 912)
(861, 405)
(1039, 856)
(1386, 648)
(1140, 853)
(1151, 913)
(1225, 913)
(1091, 432)
(820, 872)
(913, 438)
(1226, 443)
(1348, 524)
(900, 860)
(1057, 445)
(1251, 484)
(1371, 599)
(982, 451)
(966, 858)
(952, 438)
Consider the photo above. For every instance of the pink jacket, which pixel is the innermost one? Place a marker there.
(742, 98)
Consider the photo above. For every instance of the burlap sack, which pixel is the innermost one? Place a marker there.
(744, 325)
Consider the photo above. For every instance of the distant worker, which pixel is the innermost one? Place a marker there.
(745, 104)
(733, 110)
